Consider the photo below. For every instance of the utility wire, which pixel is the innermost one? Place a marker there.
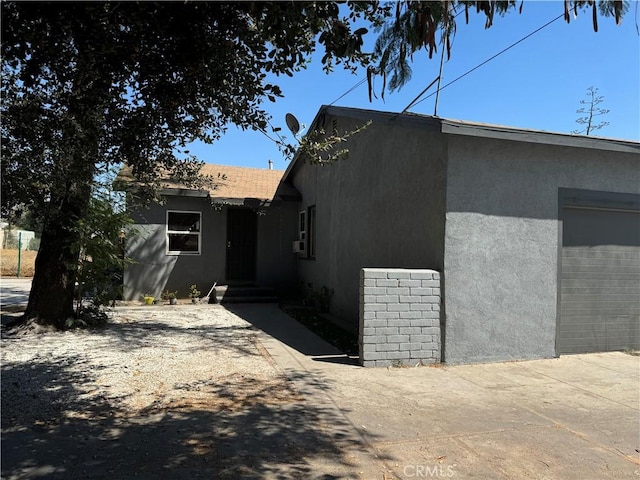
(489, 59)
(364, 80)
(416, 101)
(349, 91)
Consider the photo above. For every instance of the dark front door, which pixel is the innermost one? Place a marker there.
(242, 227)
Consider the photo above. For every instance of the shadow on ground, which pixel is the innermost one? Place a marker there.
(55, 427)
(293, 334)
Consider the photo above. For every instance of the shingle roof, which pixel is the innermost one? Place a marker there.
(229, 183)
(242, 182)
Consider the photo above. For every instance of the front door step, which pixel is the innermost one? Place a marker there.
(244, 293)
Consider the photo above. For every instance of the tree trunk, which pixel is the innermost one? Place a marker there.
(52, 291)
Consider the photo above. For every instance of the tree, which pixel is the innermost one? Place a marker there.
(86, 86)
(91, 85)
(590, 111)
(420, 25)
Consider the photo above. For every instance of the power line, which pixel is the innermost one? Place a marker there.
(364, 79)
(349, 91)
(416, 101)
(489, 59)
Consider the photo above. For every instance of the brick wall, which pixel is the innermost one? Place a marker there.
(399, 317)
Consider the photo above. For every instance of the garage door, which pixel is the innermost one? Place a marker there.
(599, 281)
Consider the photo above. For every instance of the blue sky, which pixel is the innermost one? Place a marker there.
(538, 84)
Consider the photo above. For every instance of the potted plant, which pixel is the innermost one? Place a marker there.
(171, 297)
(148, 299)
(194, 293)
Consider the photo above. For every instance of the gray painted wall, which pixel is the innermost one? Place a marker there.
(155, 271)
(381, 207)
(276, 262)
(501, 241)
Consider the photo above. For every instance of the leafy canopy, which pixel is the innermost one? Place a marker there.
(135, 82)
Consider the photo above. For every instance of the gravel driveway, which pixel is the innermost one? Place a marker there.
(161, 392)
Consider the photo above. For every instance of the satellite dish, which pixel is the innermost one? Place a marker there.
(292, 123)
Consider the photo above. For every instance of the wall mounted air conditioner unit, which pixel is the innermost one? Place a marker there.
(298, 246)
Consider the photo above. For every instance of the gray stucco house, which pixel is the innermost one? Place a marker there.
(238, 232)
(535, 235)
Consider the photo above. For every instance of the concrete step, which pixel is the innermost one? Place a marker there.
(244, 293)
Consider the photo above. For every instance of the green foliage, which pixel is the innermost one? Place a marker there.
(194, 292)
(102, 261)
(34, 244)
(319, 147)
(419, 25)
(104, 83)
(90, 86)
(25, 219)
(89, 316)
(167, 295)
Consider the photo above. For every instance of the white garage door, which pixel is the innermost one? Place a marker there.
(600, 280)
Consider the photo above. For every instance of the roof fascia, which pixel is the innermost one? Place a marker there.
(453, 127)
(184, 192)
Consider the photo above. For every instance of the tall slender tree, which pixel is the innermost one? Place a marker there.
(590, 111)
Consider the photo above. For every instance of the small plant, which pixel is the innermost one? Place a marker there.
(167, 295)
(194, 292)
(90, 316)
(171, 297)
(148, 298)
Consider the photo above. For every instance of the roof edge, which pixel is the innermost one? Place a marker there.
(459, 127)
(476, 129)
(365, 115)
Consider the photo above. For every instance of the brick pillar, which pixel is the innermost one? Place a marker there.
(399, 317)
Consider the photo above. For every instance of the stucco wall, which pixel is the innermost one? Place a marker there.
(155, 271)
(383, 206)
(276, 263)
(501, 242)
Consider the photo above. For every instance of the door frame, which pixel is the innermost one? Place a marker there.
(249, 234)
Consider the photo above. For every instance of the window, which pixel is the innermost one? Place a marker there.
(311, 231)
(183, 233)
(302, 229)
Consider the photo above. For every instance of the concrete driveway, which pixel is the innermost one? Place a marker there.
(14, 291)
(574, 417)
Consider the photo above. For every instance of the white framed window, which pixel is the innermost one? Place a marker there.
(184, 235)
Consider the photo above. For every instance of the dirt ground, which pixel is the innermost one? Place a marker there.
(9, 263)
(162, 392)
